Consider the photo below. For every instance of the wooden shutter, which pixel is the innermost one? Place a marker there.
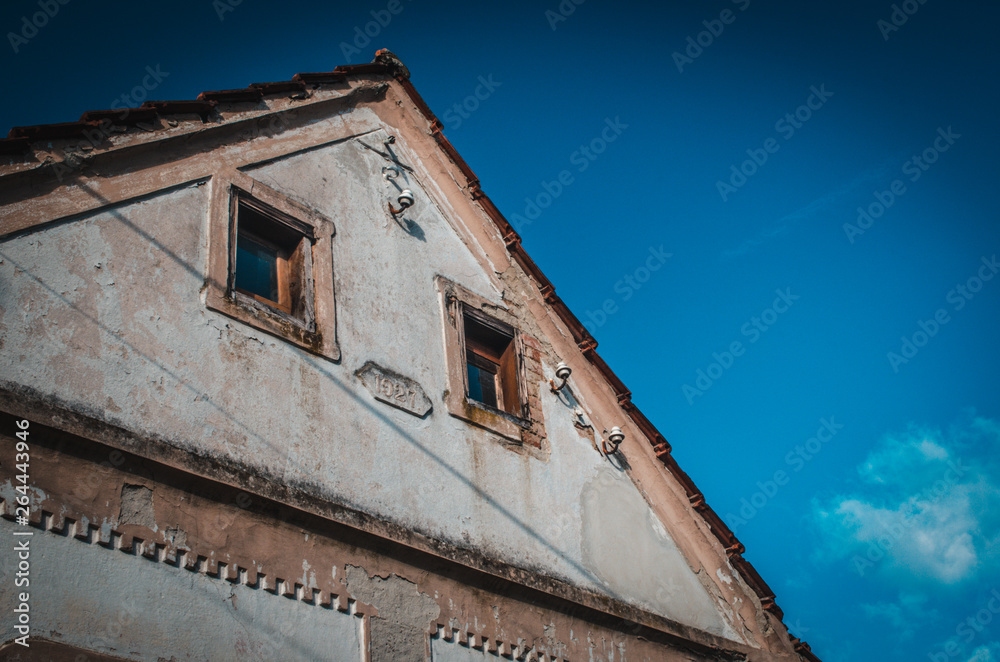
(508, 380)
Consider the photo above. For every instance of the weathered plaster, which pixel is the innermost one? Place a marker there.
(439, 476)
(137, 506)
(234, 539)
(622, 539)
(137, 609)
(105, 315)
(398, 632)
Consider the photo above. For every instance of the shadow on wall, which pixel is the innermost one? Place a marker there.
(320, 367)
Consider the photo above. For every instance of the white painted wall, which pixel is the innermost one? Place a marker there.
(107, 314)
(132, 607)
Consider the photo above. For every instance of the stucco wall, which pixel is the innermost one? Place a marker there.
(106, 313)
(110, 602)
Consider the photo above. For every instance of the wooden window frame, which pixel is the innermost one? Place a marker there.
(457, 303)
(504, 365)
(294, 264)
(284, 302)
(305, 314)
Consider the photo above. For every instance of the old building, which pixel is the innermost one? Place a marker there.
(291, 390)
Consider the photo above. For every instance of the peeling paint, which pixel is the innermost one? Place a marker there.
(105, 319)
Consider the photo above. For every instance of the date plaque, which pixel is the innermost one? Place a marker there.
(394, 389)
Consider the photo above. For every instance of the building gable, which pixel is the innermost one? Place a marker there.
(115, 257)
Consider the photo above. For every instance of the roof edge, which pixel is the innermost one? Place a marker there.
(588, 346)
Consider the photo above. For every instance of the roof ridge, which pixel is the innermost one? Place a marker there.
(19, 138)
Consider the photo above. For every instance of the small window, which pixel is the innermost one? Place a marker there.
(494, 369)
(271, 264)
(262, 270)
(491, 363)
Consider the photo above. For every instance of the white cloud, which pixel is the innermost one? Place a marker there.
(929, 535)
(925, 506)
(932, 451)
(982, 654)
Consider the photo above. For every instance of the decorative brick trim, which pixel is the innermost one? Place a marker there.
(521, 650)
(202, 561)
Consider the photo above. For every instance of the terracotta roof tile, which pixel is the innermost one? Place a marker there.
(320, 77)
(14, 145)
(127, 116)
(249, 94)
(280, 87)
(201, 107)
(51, 131)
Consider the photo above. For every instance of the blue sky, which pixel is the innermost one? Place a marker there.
(828, 379)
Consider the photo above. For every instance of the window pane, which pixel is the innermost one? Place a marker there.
(256, 268)
(482, 385)
(475, 388)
